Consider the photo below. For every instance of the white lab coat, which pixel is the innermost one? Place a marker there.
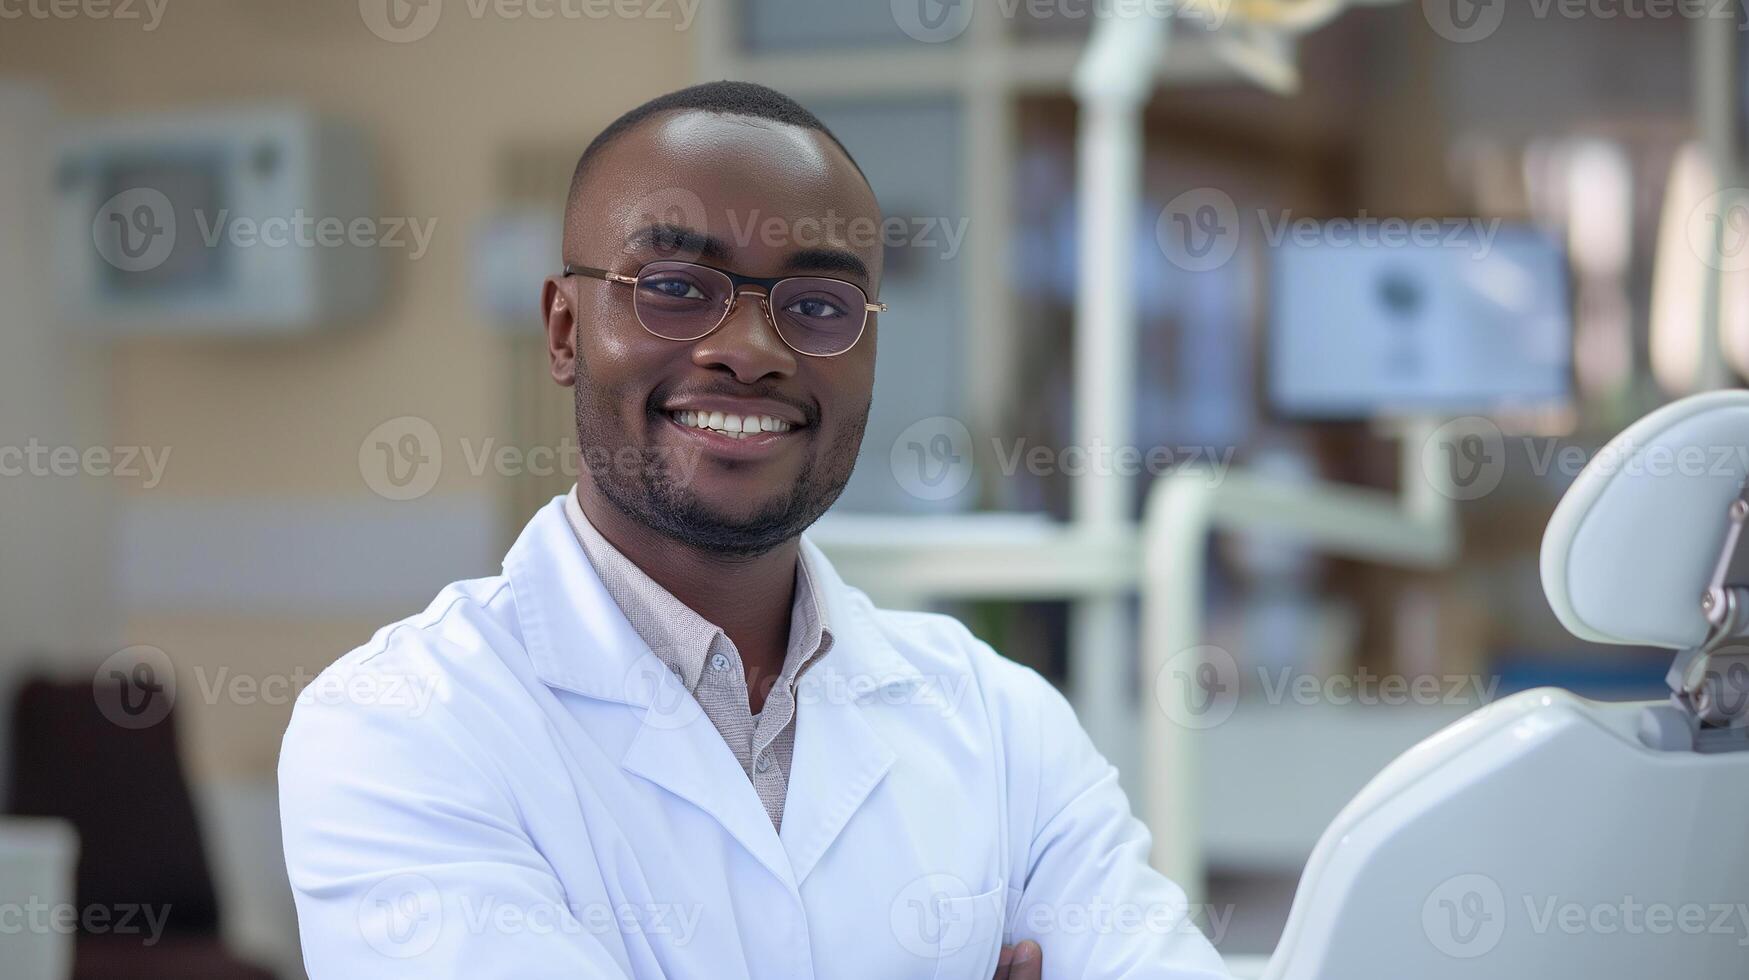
(509, 784)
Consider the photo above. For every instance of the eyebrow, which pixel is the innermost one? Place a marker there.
(676, 239)
(673, 239)
(827, 260)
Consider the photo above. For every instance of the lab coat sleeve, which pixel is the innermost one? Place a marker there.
(1089, 897)
(404, 847)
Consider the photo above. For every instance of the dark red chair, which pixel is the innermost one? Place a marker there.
(140, 844)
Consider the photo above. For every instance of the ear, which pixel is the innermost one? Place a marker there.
(561, 321)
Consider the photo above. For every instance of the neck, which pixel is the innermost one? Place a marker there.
(747, 598)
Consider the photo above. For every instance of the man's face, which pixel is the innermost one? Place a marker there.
(751, 197)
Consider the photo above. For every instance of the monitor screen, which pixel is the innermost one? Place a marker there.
(1473, 319)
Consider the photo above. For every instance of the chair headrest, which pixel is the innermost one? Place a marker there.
(1631, 547)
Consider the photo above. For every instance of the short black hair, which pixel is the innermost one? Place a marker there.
(724, 97)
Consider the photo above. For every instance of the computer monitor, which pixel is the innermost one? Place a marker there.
(1468, 318)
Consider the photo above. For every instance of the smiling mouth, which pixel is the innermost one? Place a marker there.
(727, 424)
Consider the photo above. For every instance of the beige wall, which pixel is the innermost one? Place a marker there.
(282, 421)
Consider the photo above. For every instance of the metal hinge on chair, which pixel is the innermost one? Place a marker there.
(1710, 682)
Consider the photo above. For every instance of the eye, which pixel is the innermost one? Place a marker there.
(673, 287)
(816, 308)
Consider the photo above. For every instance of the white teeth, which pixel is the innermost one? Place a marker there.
(739, 426)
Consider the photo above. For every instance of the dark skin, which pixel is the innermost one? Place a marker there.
(717, 523)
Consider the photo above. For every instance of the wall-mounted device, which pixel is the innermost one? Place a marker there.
(228, 222)
(1467, 318)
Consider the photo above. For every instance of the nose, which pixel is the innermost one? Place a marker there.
(747, 344)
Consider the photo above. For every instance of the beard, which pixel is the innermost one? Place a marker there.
(657, 495)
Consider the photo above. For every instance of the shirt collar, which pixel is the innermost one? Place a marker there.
(674, 632)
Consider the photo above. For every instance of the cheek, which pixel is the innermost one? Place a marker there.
(846, 390)
(617, 362)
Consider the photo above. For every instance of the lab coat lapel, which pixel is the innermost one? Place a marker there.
(678, 749)
(579, 641)
(839, 756)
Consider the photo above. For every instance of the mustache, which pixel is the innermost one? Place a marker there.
(767, 390)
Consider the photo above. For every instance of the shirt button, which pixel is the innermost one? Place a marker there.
(763, 765)
(719, 662)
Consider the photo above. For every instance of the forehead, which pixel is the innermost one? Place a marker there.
(765, 189)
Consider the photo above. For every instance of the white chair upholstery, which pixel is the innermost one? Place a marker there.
(1546, 836)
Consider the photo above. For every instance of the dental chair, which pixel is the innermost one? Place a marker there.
(1546, 836)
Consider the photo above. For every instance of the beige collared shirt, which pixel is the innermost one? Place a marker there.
(710, 667)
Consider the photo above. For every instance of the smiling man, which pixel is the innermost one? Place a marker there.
(669, 740)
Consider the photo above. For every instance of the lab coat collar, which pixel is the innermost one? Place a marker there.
(579, 641)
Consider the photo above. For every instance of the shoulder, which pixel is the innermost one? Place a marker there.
(430, 675)
(941, 647)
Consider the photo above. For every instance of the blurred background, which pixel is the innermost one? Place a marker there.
(271, 374)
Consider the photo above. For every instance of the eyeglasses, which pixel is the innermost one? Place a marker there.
(685, 301)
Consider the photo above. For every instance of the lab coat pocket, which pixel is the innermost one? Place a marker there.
(964, 932)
